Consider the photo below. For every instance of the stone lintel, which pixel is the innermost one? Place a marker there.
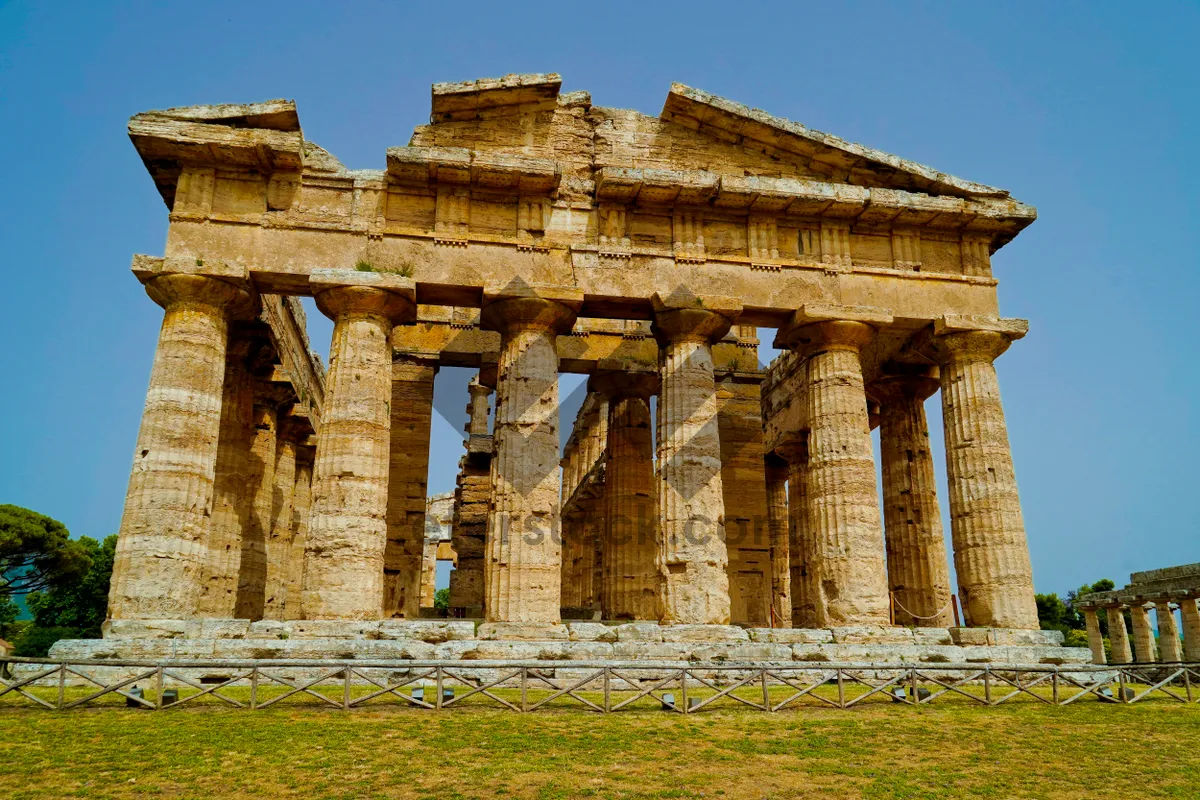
(615, 384)
(324, 279)
(146, 268)
(793, 333)
(465, 167)
(964, 323)
(466, 99)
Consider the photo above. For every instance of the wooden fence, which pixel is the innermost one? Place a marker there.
(600, 686)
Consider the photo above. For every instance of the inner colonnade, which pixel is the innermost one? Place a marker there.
(525, 233)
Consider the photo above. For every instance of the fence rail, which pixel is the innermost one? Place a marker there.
(597, 686)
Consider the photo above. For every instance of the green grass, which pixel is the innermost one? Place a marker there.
(878, 750)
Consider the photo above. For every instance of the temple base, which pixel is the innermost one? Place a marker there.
(467, 640)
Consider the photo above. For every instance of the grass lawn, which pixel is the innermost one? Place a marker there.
(951, 749)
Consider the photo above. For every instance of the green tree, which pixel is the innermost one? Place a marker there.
(8, 615)
(80, 605)
(36, 552)
(441, 599)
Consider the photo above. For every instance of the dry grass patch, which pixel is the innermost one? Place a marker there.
(876, 751)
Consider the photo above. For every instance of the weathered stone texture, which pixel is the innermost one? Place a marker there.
(162, 546)
(776, 471)
(918, 574)
(521, 571)
(692, 560)
(991, 555)
(1118, 636)
(408, 477)
(348, 531)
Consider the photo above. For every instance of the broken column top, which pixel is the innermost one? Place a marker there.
(464, 100)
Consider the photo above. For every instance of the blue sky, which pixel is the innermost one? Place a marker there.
(1087, 111)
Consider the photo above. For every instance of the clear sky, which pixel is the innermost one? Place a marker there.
(1087, 111)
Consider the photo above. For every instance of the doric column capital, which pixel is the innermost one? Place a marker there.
(775, 466)
(295, 427)
(793, 450)
(478, 390)
(616, 384)
(533, 308)
(958, 339)
(816, 327)
(685, 317)
(415, 366)
(274, 394)
(904, 382)
(170, 289)
(342, 292)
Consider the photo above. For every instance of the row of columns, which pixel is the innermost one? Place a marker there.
(362, 543)
(1142, 647)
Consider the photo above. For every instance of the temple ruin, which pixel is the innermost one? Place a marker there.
(526, 233)
(1163, 590)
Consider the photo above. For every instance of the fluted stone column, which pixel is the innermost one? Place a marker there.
(843, 506)
(918, 573)
(161, 549)
(777, 521)
(692, 560)
(1168, 633)
(301, 509)
(522, 571)
(471, 498)
(801, 545)
(991, 555)
(1118, 636)
(1095, 638)
(347, 534)
(630, 507)
(408, 479)
(1144, 649)
(1191, 629)
(283, 529)
(218, 593)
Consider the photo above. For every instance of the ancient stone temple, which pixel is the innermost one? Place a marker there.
(526, 233)
(1164, 591)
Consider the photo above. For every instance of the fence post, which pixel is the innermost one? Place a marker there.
(158, 683)
(766, 693)
(346, 689)
(607, 691)
(841, 690)
(253, 687)
(1054, 685)
(62, 685)
(439, 687)
(524, 688)
(1121, 684)
(912, 684)
(987, 685)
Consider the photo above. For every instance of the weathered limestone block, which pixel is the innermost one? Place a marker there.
(932, 636)
(1095, 638)
(632, 587)
(637, 651)
(991, 555)
(777, 521)
(693, 560)
(522, 570)
(792, 635)
(218, 591)
(639, 632)
(704, 633)
(426, 630)
(343, 576)
(301, 510)
(162, 547)
(469, 530)
(117, 628)
(1118, 636)
(523, 631)
(591, 632)
(843, 517)
(1144, 647)
(1168, 633)
(918, 574)
(872, 634)
(747, 651)
(408, 477)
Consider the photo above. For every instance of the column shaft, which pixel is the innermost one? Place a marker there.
(1168, 633)
(347, 534)
(301, 509)
(218, 594)
(408, 478)
(1191, 629)
(843, 506)
(1143, 635)
(631, 511)
(522, 572)
(918, 572)
(164, 532)
(991, 555)
(279, 543)
(260, 483)
(777, 521)
(1095, 638)
(802, 556)
(1118, 636)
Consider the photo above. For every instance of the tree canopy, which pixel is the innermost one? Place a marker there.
(37, 552)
